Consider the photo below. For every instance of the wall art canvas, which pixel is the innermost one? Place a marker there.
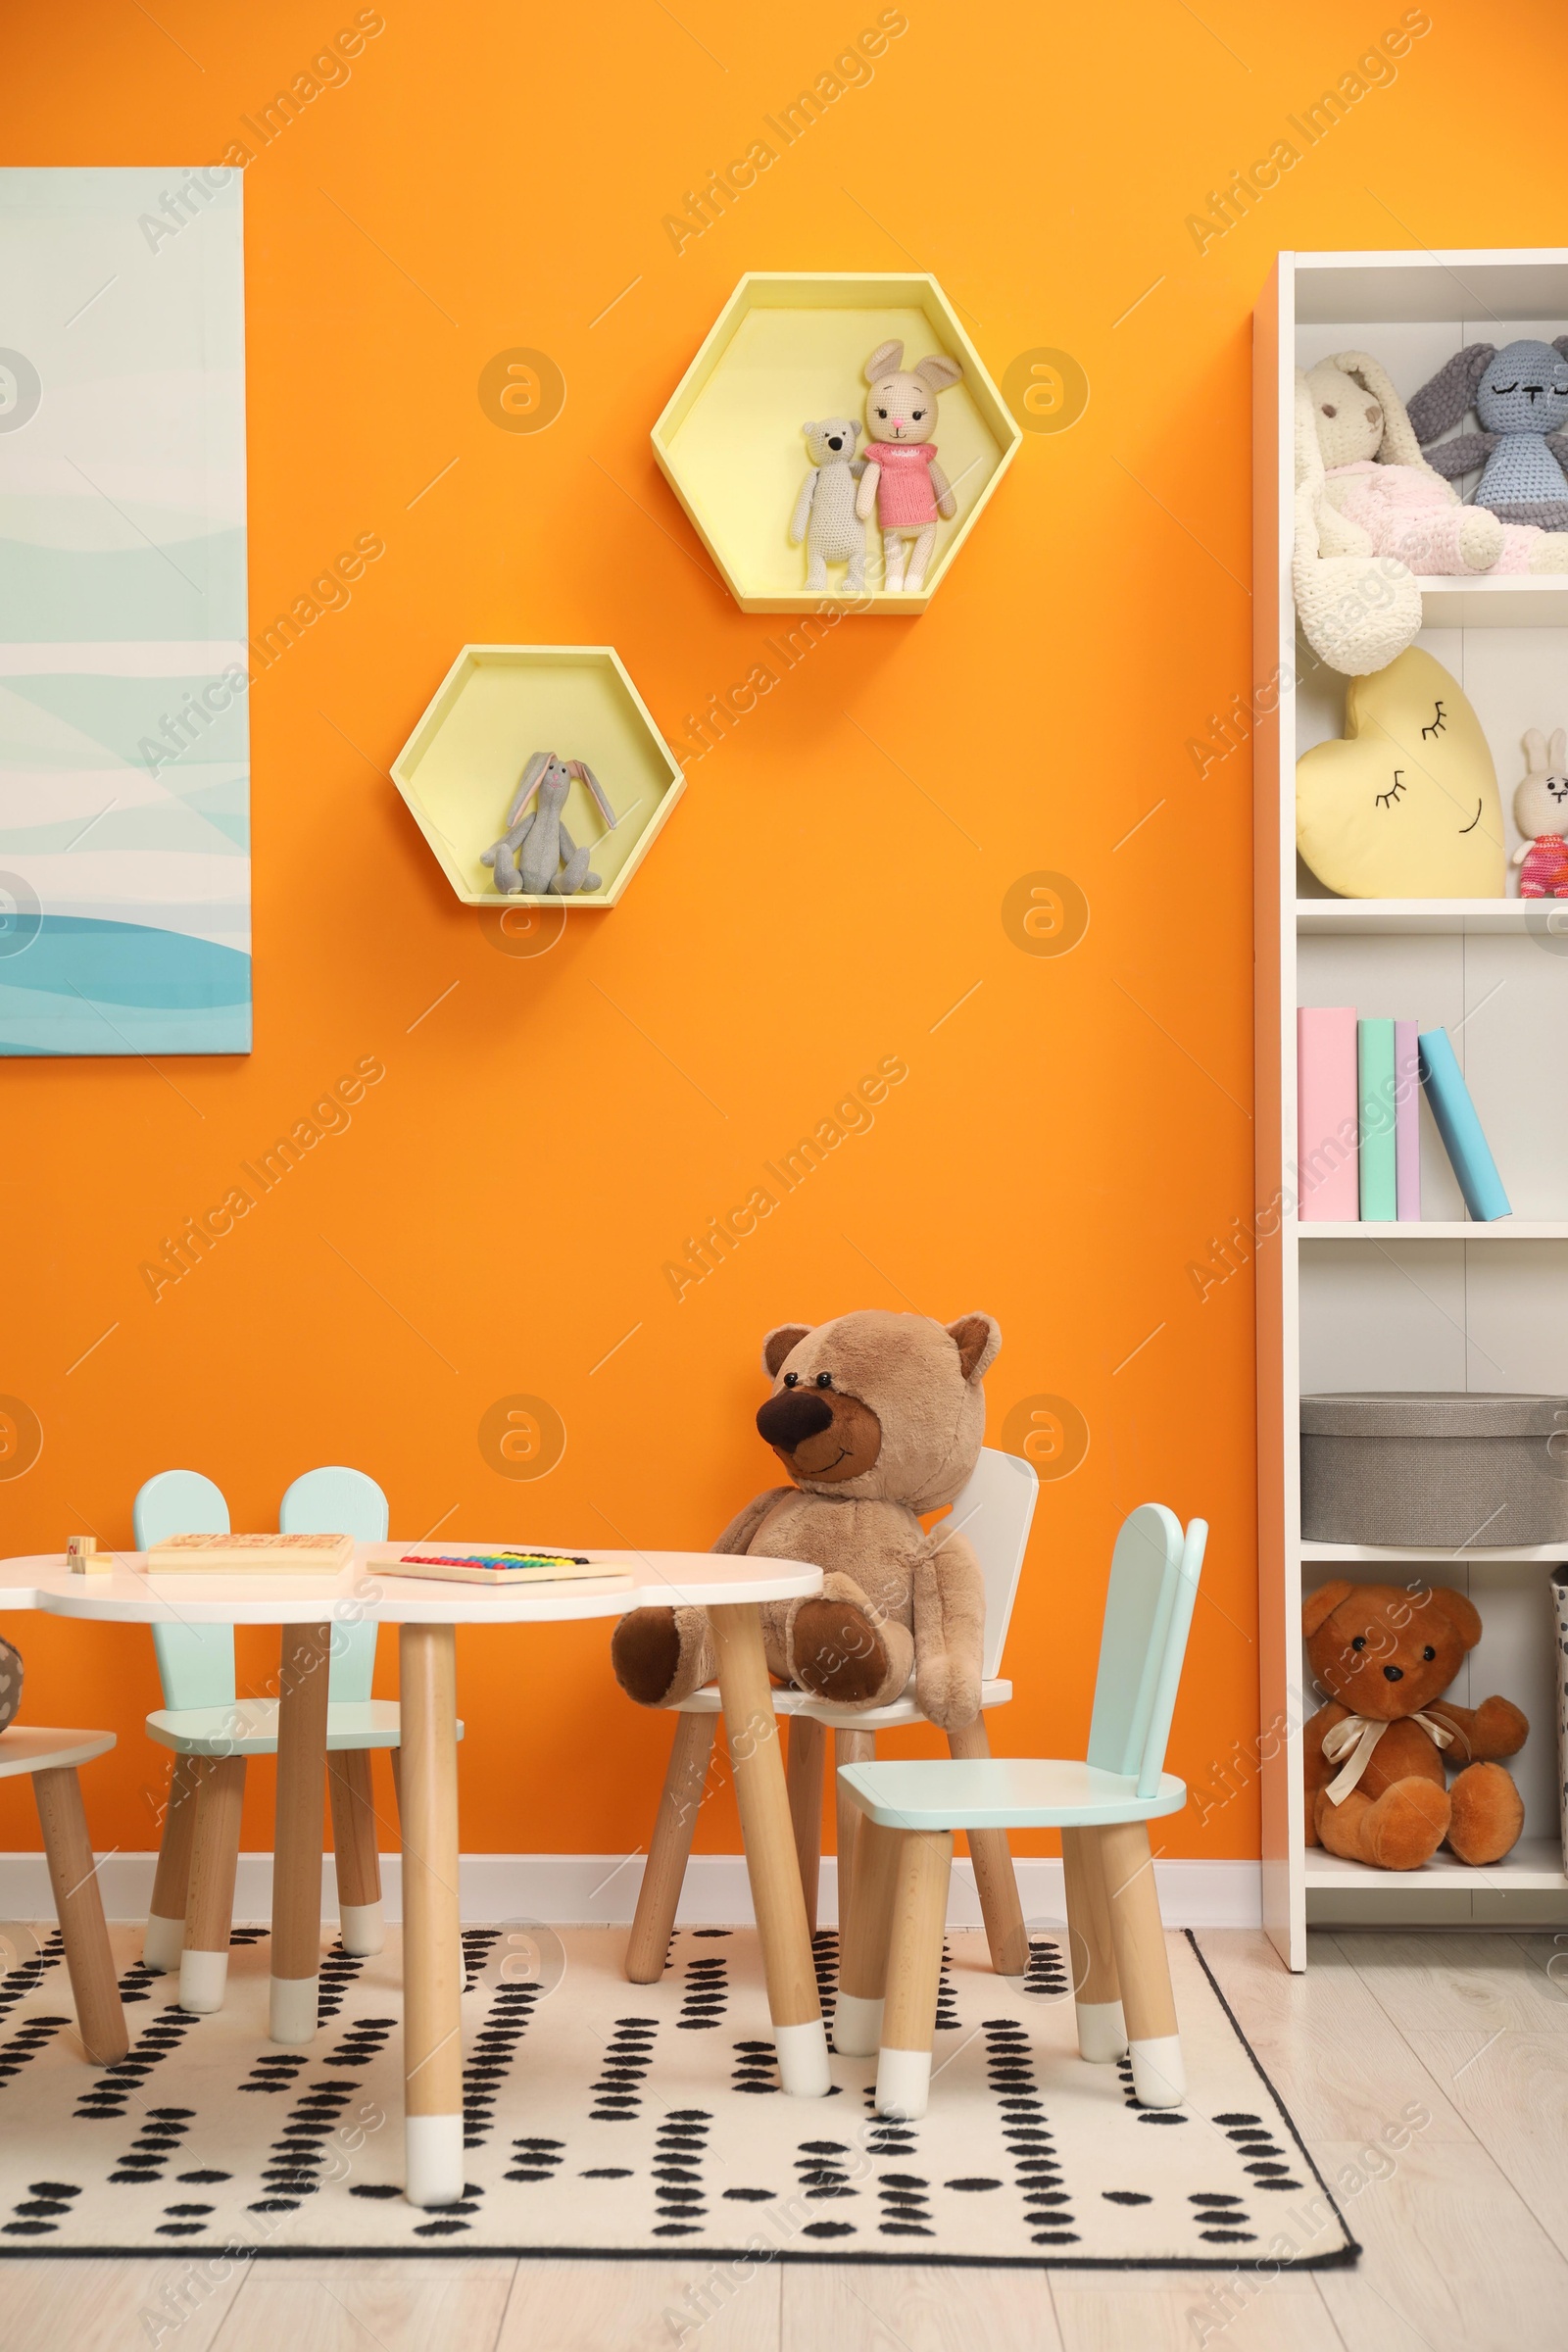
(125, 737)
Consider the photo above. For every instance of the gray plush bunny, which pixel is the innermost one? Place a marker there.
(1520, 397)
(10, 1683)
(536, 856)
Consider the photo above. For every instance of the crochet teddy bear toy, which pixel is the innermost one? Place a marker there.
(877, 1418)
(1540, 813)
(1520, 396)
(1374, 1778)
(903, 480)
(824, 513)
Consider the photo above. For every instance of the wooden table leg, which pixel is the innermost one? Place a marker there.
(914, 1973)
(849, 1747)
(803, 1775)
(355, 1854)
(770, 1864)
(864, 1942)
(1137, 1933)
(78, 1906)
(1101, 2031)
(432, 2028)
(210, 1905)
(669, 1848)
(165, 1938)
(996, 1880)
(297, 1840)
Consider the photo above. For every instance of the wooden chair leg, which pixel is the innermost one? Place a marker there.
(78, 1906)
(803, 1775)
(996, 1880)
(1138, 1936)
(165, 1938)
(849, 1747)
(751, 1728)
(355, 1859)
(1101, 2028)
(914, 1973)
(395, 1759)
(669, 1848)
(864, 1942)
(215, 1859)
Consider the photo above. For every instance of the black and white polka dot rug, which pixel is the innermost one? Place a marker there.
(612, 2119)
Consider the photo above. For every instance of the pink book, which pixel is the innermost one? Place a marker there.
(1407, 1122)
(1328, 1125)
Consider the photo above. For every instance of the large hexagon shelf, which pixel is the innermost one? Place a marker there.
(496, 705)
(786, 348)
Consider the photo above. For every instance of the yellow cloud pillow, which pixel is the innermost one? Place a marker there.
(1407, 806)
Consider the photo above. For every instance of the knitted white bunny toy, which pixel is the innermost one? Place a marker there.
(536, 855)
(903, 479)
(1540, 813)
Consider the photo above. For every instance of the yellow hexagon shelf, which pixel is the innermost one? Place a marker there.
(786, 348)
(497, 706)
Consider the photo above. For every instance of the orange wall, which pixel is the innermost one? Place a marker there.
(1064, 1144)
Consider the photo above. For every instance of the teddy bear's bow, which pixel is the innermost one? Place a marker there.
(1360, 1734)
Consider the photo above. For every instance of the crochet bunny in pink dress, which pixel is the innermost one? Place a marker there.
(1540, 813)
(903, 479)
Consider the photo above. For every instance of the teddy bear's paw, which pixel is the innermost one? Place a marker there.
(1406, 1826)
(645, 1651)
(1549, 552)
(1501, 1728)
(839, 1654)
(1488, 1814)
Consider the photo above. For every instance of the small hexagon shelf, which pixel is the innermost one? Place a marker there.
(786, 348)
(498, 704)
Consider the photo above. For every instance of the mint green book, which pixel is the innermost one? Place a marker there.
(1379, 1099)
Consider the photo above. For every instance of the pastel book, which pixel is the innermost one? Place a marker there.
(1407, 1122)
(1328, 1121)
(248, 1556)
(1378, 1092)
(1463, 1138)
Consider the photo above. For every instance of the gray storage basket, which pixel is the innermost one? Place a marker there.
(1430, 1466)
(1559, 1597)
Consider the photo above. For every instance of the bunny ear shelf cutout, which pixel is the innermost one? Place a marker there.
(466, 764)
(784, 348)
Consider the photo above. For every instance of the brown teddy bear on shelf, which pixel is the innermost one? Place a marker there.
(1375, 1778)
(877, 1418)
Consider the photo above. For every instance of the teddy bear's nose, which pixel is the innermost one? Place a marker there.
(788, 1419)
(1372, 414)
(1393, 1674)
(835, 441)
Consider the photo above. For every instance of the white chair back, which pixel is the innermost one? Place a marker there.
(994, 1510)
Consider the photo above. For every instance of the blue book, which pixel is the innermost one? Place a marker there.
(1460, 1129)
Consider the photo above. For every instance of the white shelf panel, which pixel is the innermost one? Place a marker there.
(1472, 917)
(1549, 1556)
(1434, 1229)
(1517, 601)
(1535, 1867)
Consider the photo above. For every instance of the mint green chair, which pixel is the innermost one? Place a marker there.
(212, 1732)
(1101, 1806)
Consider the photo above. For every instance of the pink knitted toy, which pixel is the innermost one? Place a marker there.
(903, 479)
(1540, 811)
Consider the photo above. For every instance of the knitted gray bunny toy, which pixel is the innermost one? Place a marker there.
(536, 855)
(1520, 397)
(10, 1683)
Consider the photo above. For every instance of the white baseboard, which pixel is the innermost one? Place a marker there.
(602, 1889)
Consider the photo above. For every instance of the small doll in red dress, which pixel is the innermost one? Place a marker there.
(903, 480)
(1540, 811)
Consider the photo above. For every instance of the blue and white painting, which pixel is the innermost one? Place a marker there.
(124, 736)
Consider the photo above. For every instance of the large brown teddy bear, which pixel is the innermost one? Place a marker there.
(877, 1418)
(1375, 1777)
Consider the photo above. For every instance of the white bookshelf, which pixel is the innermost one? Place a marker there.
(1445, 1303)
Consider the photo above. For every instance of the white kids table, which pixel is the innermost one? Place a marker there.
(428, 1614)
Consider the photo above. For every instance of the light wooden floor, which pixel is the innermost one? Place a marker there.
(1466, 2231)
